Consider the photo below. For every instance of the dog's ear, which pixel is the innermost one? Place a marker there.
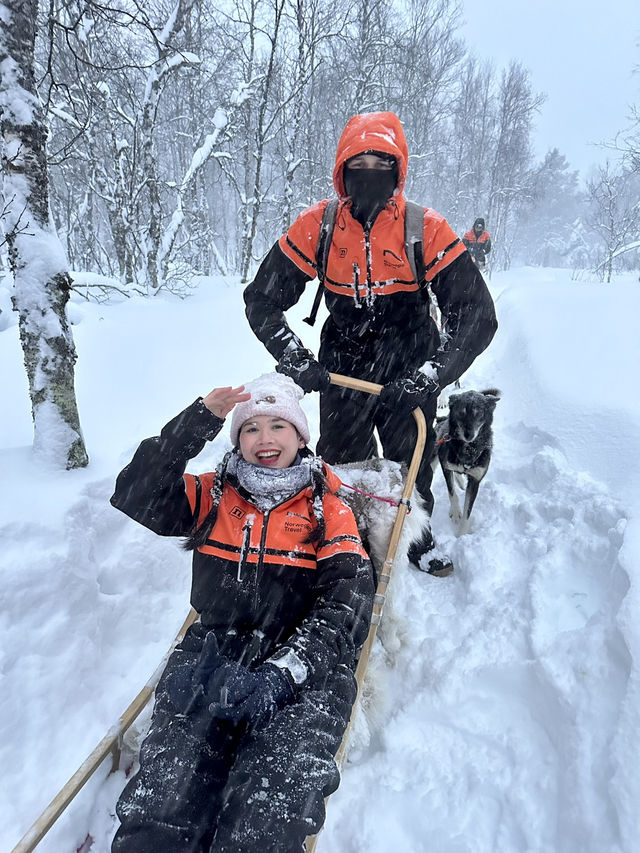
(492, 393)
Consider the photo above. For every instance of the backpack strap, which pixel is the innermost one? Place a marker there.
(413, 231)
(413, 228)
(322, 255)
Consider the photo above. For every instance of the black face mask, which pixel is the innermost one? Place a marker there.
(369, 190)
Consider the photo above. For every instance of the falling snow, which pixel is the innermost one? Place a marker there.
(501, 712)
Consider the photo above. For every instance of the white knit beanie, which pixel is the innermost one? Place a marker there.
(275, 395)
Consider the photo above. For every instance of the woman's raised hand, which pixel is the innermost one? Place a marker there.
(220, 401)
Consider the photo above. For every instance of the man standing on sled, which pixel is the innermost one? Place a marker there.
(379, 327)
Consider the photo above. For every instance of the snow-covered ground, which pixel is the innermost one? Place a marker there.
(503, 710)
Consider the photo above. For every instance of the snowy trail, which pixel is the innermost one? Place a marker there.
(493, 740)
(502, 714)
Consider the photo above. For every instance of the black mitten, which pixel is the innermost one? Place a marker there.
(238, 694)
(407, 393)
(301, 365)
(186, 684)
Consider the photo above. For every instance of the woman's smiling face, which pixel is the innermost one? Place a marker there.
(269, 441)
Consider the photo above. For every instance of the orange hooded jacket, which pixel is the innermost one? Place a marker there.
(471, 237)
(361, 264)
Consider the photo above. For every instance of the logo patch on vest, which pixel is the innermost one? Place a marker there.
(237, 512)
(389, 263)
(343, 253)
(292, 526)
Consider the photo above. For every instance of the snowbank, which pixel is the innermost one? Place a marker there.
(502, 711)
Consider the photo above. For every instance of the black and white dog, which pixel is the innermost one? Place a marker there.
(464, 440)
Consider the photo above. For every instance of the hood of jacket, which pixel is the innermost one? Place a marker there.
(372, 132)
(333, 481)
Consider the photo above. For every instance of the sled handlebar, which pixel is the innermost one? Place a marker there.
(356, 384)
(421, 424)
(414, 465)
(416, 459)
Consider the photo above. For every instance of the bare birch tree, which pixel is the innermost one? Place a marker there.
(511, 177)
(168, 60)
(36, 256)
(201, 156)
(149, 188)
(262, 128)
(615, 218)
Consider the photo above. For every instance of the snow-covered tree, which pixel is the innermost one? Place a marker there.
(36, 256)
(146, 184)
(167, 61)
(546, 233)
(471, 143)
(615, 217)
(510, 177)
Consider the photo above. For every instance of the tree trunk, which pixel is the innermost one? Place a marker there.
(37, 260)
(253, 208)
(168, 60)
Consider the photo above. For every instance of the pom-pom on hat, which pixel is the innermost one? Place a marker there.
(275, 395)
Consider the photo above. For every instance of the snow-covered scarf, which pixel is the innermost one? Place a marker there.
(268, 487)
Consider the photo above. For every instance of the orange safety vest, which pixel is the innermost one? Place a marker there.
(470, 237)
(242, 533)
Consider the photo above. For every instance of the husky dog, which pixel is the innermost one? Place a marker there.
(463, 446)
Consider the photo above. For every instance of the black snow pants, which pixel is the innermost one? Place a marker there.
(348, 418)
(207, 786)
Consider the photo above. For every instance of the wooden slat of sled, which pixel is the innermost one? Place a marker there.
(387, 567)
(109, 743)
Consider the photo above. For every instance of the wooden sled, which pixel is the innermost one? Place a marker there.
(112, 741)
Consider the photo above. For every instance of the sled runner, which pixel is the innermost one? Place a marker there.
(112, 741)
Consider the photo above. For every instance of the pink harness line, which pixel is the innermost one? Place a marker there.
(369, 495)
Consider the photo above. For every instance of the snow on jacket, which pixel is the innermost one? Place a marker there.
(312, 602)
(370, 290)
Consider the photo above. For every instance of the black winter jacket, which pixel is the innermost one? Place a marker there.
(313, 613)
(395, 334)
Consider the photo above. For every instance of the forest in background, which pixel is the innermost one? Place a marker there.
(185, 135)
(144, 145)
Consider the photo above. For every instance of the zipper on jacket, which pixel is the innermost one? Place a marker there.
(370, 297)
(244, 549)
(260, 563)
(356, 286)
(263, 540)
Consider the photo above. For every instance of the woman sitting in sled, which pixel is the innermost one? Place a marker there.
(253, 703)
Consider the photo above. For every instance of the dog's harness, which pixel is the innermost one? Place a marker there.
(391, 501)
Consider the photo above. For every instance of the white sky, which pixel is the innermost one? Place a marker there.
(581, 54)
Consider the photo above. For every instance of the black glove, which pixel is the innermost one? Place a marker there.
(186, 685)
(408, 392)
(304, 369)
(239, 694)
